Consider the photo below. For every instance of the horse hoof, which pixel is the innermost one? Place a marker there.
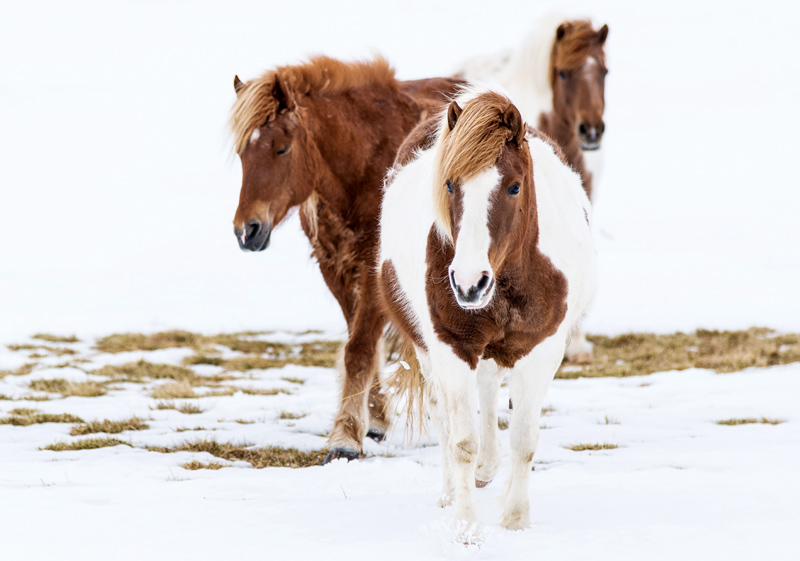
(481, 484)
(510, 405)
(376, 435)
(345, 453)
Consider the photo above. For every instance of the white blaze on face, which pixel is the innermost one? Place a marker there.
(471, 259)
(253, 137)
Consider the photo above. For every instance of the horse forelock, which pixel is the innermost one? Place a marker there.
(475, 143)
(256, 105)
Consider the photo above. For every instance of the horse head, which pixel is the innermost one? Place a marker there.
(276, 154)
(484, 193)
(577, 77)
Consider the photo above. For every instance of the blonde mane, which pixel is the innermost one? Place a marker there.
(256, 105)
(475, 143)
(571, 51)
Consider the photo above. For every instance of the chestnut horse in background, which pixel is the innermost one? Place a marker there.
(558, 81)
(486, 264)
(321, 136)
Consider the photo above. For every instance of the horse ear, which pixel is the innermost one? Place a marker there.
(602, 34)
(562, 30)
(513, 120)
(453, 113)
(237, 84)
(282, 95)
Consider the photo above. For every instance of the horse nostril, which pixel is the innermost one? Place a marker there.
(252, 229)
(582, 128)
(601, 128)
(484, 282)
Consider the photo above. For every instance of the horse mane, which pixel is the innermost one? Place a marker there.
(475, 143)
(321, 75)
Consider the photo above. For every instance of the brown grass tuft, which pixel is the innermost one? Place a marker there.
(21, 371)
(85, 444)
(594, 447)
(142, 370)
(22, 417)
(67, 389)
(194, 464)
(288, 416)
(258, 457)
(751, 420)
(186, 408)
(56, 338)
(174, 390)
(635, 354)
(109, 427)
(259, 391)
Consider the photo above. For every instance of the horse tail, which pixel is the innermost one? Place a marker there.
(406, 384)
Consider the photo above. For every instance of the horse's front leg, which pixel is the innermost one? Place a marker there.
(457, 388)
(489, 379)
(528, 385)
(360, 387)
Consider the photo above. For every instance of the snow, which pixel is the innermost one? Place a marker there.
(117, 191)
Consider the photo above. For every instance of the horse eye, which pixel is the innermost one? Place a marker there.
(562, 74)
(283, 150)
(449, 186)
(514, 189)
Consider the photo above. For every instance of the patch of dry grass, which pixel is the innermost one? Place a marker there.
(56, 351)
(502, 423)
(109, 427)
(21, 371)
(186, 408)
(300, 381)
(187, 429)
(635, 354)
(593, 447)
(288, 416)
(67, 388)
(203, 359)
(142, 371)
(50, 338)
(174, 390)
(194, 464)
(259, 391)
(750, 421)
(22, 417)
(258, 457)
(85, 444)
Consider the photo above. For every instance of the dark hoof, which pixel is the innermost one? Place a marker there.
(376, 435)
(337, 453)
(481, 484)
(510, 405)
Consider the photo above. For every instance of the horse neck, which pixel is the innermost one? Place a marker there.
(562, 129)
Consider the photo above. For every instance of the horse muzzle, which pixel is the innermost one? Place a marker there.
(479, 293)
(589, 136)
(254, 236)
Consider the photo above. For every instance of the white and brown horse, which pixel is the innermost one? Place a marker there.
(321, 136)
(486, 264)
(558, 80)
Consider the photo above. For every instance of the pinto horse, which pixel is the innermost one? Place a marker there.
(558, 79)
(321, 136)
(486, 264)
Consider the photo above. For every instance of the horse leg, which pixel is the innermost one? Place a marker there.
(360, 356)
(439, 418)
(378, 411)
(528, 385)
(489, 379)
(457, 387)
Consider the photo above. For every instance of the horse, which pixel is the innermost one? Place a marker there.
(486, 264)
(320, 136)
(558, 79)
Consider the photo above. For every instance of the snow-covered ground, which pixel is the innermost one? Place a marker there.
(678, 485)
(117, 191)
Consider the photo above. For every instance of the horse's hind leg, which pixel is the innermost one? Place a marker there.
(360, 357)
(489, 379)
(528, 385)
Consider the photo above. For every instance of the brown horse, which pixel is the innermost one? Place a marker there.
(558, 81)
(321, 136)
(487, 264)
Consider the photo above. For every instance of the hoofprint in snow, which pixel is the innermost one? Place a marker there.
(677, 484)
